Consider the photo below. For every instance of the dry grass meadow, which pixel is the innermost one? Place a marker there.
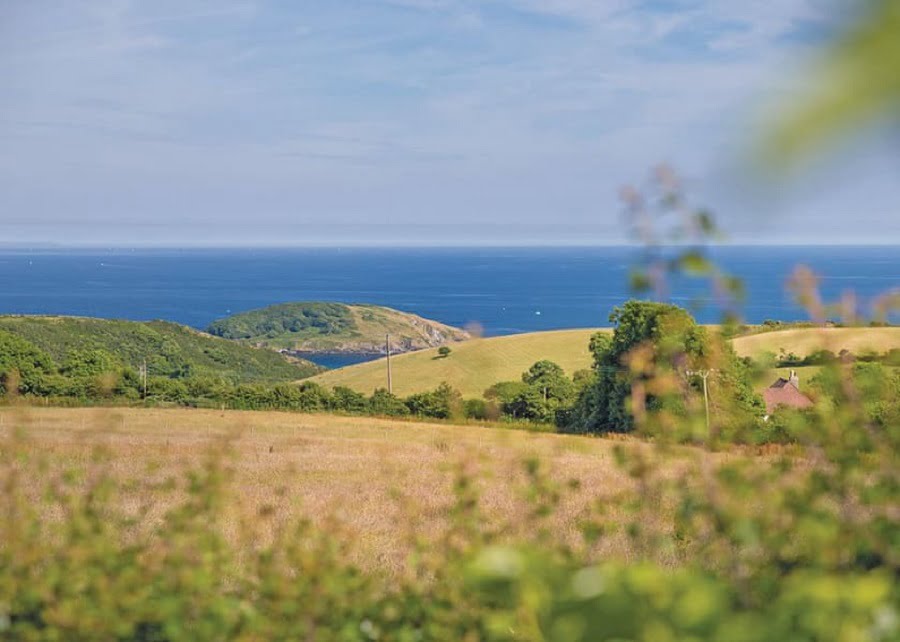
(804, 341)
(379, 483)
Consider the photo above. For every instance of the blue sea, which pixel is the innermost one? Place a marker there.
(503, 290)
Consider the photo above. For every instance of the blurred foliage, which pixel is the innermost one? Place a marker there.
(856, 81)
(779, 543)
(675, 236)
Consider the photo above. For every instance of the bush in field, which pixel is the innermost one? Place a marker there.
(385, 404)
(346, 400)
(480, 409)
(442, 403)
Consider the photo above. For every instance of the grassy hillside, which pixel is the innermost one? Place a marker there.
(334, 327)
(475, 365)
(472, 367)
(170, 349)
(804, 341)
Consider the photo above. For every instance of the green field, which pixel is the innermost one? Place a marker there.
(475, 365)
(472, 367)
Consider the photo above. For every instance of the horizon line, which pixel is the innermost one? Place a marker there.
(335, 245)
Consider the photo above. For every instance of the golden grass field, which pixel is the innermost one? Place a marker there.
(472, 367)
(803, 341)
(379, 482)
(475, 365)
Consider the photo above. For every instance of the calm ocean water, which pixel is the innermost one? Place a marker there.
(504, 290)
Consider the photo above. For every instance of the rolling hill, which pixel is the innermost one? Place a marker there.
(475, 365)
(472, 367)
(169, 348)
(804, 341)
(312, 327)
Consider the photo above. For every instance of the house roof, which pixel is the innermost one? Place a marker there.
(785, 393)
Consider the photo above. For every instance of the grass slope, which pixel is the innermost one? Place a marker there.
(380, 480)
(804, 341)
(472, 367)
(334, 327)
(171, 349)
(475, 365)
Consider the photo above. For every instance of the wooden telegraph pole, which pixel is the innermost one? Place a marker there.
(390, 382)
(144, 379)
(704, 374)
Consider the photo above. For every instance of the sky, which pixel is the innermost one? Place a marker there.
(411, 122)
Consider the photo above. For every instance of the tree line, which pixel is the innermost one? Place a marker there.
(648, 339)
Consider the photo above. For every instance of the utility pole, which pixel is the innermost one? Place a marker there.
(387, 345)
(704, 374)
(144, 379)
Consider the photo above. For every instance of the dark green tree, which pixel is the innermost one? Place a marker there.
(545, 391)
(550, 380)
(652, 339)
(504, 391)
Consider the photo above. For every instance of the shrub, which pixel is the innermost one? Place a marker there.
(442, 403)
(386, 404)
(347, 400)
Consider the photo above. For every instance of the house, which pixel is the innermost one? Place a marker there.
(786, 392)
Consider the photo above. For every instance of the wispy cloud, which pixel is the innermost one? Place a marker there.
(377, 110)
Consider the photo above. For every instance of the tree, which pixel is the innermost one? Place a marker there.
(531, 404)
(444, 352)
(652, 346)
(505, 391)
(669, 332)
(543, 391)
(550, 380)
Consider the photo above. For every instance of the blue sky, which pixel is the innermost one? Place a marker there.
(407, 121)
